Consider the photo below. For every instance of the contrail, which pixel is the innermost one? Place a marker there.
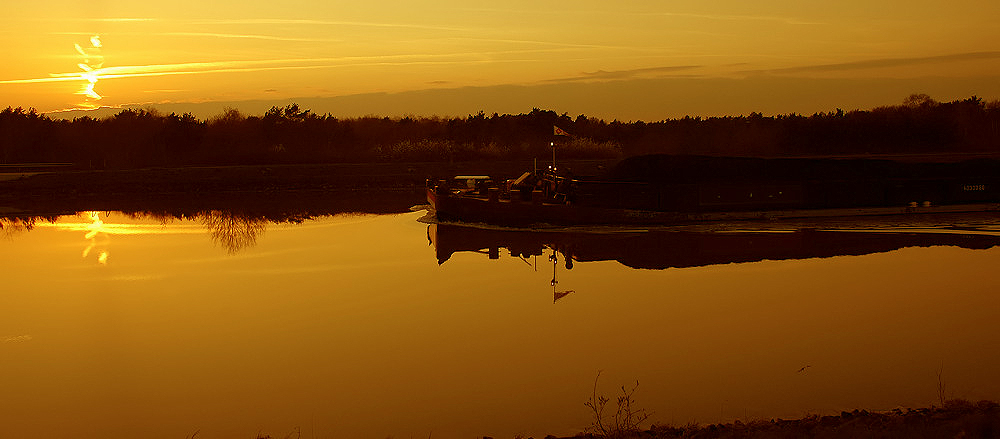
(328, 23)
(274, 64)
(241, 36)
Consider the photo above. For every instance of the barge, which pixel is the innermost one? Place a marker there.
(668, 190)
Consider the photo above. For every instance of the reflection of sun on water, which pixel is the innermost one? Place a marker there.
(93, 229)
(233, 232)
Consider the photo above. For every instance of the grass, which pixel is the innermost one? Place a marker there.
(953, 418)
(626, 419)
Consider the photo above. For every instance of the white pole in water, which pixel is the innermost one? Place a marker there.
(553, 145)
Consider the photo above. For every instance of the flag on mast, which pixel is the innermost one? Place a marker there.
(559, 131)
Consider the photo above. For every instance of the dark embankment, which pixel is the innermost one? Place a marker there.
(956, 419)
(678, 169)
(255, 190)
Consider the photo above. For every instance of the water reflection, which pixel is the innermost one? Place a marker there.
(345, 319)
(232, 231)
(662, 249)
(96, 230)
(707, 245)
(11, 227)
(556, 294)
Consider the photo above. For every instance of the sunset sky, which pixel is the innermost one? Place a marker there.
(627, 60)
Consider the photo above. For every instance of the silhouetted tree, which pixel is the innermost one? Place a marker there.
(290, 134)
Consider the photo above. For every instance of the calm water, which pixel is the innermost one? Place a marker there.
(115, 326)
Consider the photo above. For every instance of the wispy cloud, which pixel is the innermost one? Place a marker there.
(240, 36)
(102, 20)
(884, 62)
(617, 75)
(606, 12)
(213, 35)
(268, 22)
(730, 17)
(136, 277)
(559, 44)
(273, 21)
(76, 77)
(194, 68)
(123, 20)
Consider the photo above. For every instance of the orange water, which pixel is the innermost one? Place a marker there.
(120, 327)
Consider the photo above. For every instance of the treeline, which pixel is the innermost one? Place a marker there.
(144, 137)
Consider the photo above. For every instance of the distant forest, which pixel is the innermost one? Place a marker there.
(286, 135)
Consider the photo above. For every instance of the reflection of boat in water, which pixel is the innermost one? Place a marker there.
(661, 249)
(662, 189)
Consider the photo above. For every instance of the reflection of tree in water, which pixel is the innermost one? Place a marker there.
(232, 231)
(9, 227)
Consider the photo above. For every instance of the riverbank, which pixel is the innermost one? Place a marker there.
(955, 419)
(365, 187)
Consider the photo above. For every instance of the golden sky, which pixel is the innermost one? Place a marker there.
(625, 59)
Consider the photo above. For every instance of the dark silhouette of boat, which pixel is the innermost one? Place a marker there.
(663, 189)
(662, 249)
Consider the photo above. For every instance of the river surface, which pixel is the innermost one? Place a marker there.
(215, 325)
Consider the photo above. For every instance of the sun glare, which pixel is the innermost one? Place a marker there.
(93, 60)
(93, 229)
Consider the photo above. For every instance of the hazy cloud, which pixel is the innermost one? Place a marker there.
(716, 17)
(648, 99)
(540, 42)
(241, 36)
(727, 17)
(214, 35)
(120, 20)
(115, 19)
(194, 68)
(265, 21)
(617, 75)
(137, 277)
(270, 21)
(885, 62)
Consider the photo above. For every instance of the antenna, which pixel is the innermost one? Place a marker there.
(553, 145)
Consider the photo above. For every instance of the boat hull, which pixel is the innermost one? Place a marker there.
(450, 207)
(662, 189)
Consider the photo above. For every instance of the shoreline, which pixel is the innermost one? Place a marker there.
(258, 189)
(956, 418)
(257, 184)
